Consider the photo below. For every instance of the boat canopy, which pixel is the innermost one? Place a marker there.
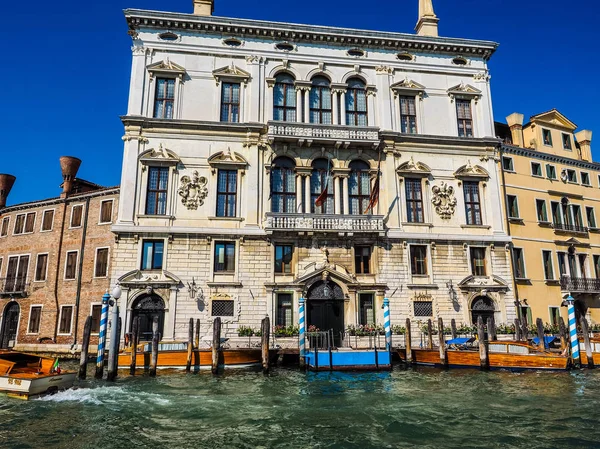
(548, 340)
(460, 341)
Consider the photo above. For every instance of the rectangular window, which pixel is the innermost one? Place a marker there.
(66, 316)
(550, 171)
(224, 257)
(554, 315)
(283, 258)
(106, 208)
(566, 138)
(507, 164)
(362, 259)
(76, 216)
(222, 307)
(577, 218)
(48, 220)
(19, 224)
(423, 308)
(585, 178)
(16, 274)
(35, 317)
(367, 311)
(536, 169)
(472, 202)
(414, 200)
(548, 267)
(542, 212)
(41, 267)
(5, 223)
(164, 98)
(513, 206)
(71, 265)
(152, 254)
(556, 212)
(519, 262)
(96, 315)
(597, 266)
(230, 102)
(525, 312)
(156, 197)
(465, 118)
(418, 259)
(285, 315)
(30, 223)
(562, 265)
(101, 268)
(547, 137)
(478, 266)
(571, 175)
(408, 115)
(227, 193)
(591, 217)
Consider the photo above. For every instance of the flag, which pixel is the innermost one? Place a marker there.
(323, 196)
(374, 198)
(56, 366)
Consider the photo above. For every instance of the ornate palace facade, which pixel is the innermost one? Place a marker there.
(265, 162)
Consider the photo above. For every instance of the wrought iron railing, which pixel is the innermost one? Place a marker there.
(319, 132)
(570, 228)
(580, 284)
(325, 223)
(14, 286)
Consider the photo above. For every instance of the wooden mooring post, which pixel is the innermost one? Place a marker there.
(264, 343)
(113, 350)
(85, 346)
(564, 341)
(190, 346)
(135, 340)
(484, 360)
(586, 341)
(524, 330)
(429, 334)
(408, 342)
(453, 327)
(540, 331)
(154, 353)
(442, 343)
(492, 336)
(517, 329)
(216, 345)
(197, 345)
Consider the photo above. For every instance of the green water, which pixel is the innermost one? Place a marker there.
(289, 409)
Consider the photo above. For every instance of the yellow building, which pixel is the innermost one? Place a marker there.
(552, 194)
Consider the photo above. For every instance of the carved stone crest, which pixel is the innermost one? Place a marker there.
(444, 200)
(193, 191)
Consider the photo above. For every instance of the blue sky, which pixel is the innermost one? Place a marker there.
(68, 65)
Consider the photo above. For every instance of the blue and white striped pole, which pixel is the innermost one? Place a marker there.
(302, 326)
(573, 331)
(386, 324)
(102, 336)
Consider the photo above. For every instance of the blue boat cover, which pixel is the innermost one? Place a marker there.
(460, 341)
(547, 340)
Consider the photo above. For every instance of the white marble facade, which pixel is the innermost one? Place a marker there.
(200, 140)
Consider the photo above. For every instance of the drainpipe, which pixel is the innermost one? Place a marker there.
(57, 274)
(80, 270)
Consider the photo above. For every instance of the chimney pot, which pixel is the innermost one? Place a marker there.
(584, 139)
(6, 184)
(69, 166)
(204, 7)
(515, 123)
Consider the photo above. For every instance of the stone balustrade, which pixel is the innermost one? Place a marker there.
(324, 223)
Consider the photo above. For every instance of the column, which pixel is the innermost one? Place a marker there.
(371, 109)
(307, 205)
(336, 195)
(346, 195)
(397, 125)
(299, 201)
(301, 325)
(343, 108)
(299, 117)
(306, 105)
(334, 100)
(269, 105)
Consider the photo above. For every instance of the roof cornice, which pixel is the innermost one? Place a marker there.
(511, 149)
(137, 19)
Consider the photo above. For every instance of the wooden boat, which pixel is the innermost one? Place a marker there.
(511, 355)
(174, 355)
(27, 375)
(595, 345)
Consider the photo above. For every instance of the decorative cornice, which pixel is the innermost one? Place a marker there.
(518, 151)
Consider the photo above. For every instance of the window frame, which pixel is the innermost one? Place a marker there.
(422, 302)
(157, 190)
(355, 114)
(476, 212)
(362, 199)
(152, 256)
(98, 249)
(538, 165)
(412, 204)
(512, 164)
(279, 309)
(284, 107)
(284, 173)
(228, 107)
(515, 204)
(360, 260)
(65, 278)
(39, 323)
(283, 264)
(554, 320)
(226, 244)
(323, 177)
(591, 209)
(585, 179)
(60, 319)
(522, 258)
(37, 262)
(544, 267)
(46, 211)
(568, 147)
(570, 172)
(227, 194)
(554, 172)
(165, 100)
(73, 207)
(4, 228)
(405, 118)
(542, 201)
(464, 121)
(549, 144)
(320, 110)
(25, 217)
(16, 280)
(112, 206)
(414, 261)
(474, 267)
(92, 305)
(363, 299)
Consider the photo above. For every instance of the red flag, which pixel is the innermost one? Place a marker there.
(323, 196)
(374, 198)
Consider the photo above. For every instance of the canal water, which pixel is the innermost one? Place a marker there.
(290, 409)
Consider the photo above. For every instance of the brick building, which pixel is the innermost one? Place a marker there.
(54, 263)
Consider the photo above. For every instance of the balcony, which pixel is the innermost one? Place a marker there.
(310, 223)
(309, 133)
(14, 287)
(569, 228)
(580, 285)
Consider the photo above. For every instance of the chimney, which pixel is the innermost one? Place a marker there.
(584, 139)
(69, 166)
(6, 184)
(515, 123)
(204, 7)
(428, 21)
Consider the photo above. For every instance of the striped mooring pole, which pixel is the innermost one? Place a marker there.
(102, 336)
(386, 324)
(301, 325)
(573, 331)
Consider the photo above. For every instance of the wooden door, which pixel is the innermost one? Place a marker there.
(10, 325)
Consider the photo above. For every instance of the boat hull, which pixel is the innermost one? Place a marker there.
(228, 358)
(26, 388)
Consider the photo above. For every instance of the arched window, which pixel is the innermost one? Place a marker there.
(284, 98)
(356, 103)
(320, 101)
(283, 186)
(359, 186)
(321, 177)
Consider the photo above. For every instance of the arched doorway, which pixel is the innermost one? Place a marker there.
(482, 306)
(146, 308)
(10, 325)
(325, 308)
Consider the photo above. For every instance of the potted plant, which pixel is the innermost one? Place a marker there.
(244, 331)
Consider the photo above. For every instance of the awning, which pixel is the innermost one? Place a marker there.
(548, 340)
(460, 341)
